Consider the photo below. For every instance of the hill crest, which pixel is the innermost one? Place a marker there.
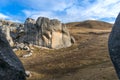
(92, 24)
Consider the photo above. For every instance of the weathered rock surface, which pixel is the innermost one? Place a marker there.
(114, 45)
(6, 31)
(10, 66)
(30, 31)
(28, 73)
(12, 30)
(47, 33)
(43, 32)
(21, 46)
(17, 31)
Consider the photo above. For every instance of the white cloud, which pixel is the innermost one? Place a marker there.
(9, 18)
(2, 16)
(14, 20)
(74, 10)
(36, 14)
(53, 5)
(98, 10)
(105, 8)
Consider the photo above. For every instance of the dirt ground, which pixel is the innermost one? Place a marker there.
(87, 59)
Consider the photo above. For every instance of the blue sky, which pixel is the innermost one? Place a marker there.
(64, 10)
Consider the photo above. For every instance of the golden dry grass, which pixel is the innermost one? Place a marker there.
(87, 59)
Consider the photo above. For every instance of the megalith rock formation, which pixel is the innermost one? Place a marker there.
(10, 66)
(47, 33)
(114, 45)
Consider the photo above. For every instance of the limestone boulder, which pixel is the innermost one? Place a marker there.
(114, 45)
(47, 33)
(11, 67)
(53, 33)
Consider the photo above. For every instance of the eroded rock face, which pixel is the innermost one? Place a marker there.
(10, 66)
(12, 30)
(114, 45)
(6, 31)
(47, 33)
(30, 31)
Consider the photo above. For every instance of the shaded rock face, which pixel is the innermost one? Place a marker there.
(10, 66)
(30, 31)
(16, 30)
(47, 33)
(114, 45)
(6, 31)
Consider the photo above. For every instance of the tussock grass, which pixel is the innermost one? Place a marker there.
(83, 60)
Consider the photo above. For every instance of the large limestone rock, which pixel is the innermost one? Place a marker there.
(114, 45)
(10, 66)
(6, 31)
(53, 33)
(47, 33)
(30, 31)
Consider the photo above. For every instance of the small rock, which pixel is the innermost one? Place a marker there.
(28, 73)
(26, 48)
(31, 51)
(27, 55)
(15, 49)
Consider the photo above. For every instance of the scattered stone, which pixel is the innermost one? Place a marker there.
(22, 46)
(27, 55)
(37, 46)
(28, 73)
(26, 48)
(15, 49)
(31, 51)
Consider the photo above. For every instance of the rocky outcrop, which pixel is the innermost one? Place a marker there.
(12, 30)
(47, 33)
(43, 32)
(30, 31)
(6, 31)
(21, 46)
(10, 66)
(114, 45)
(16, 31)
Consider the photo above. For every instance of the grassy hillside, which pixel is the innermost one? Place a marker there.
(87, 59)
(90, 24)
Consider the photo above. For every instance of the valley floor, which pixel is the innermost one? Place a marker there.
(87, 59)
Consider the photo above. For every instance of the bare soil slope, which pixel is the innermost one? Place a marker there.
(87, 59)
